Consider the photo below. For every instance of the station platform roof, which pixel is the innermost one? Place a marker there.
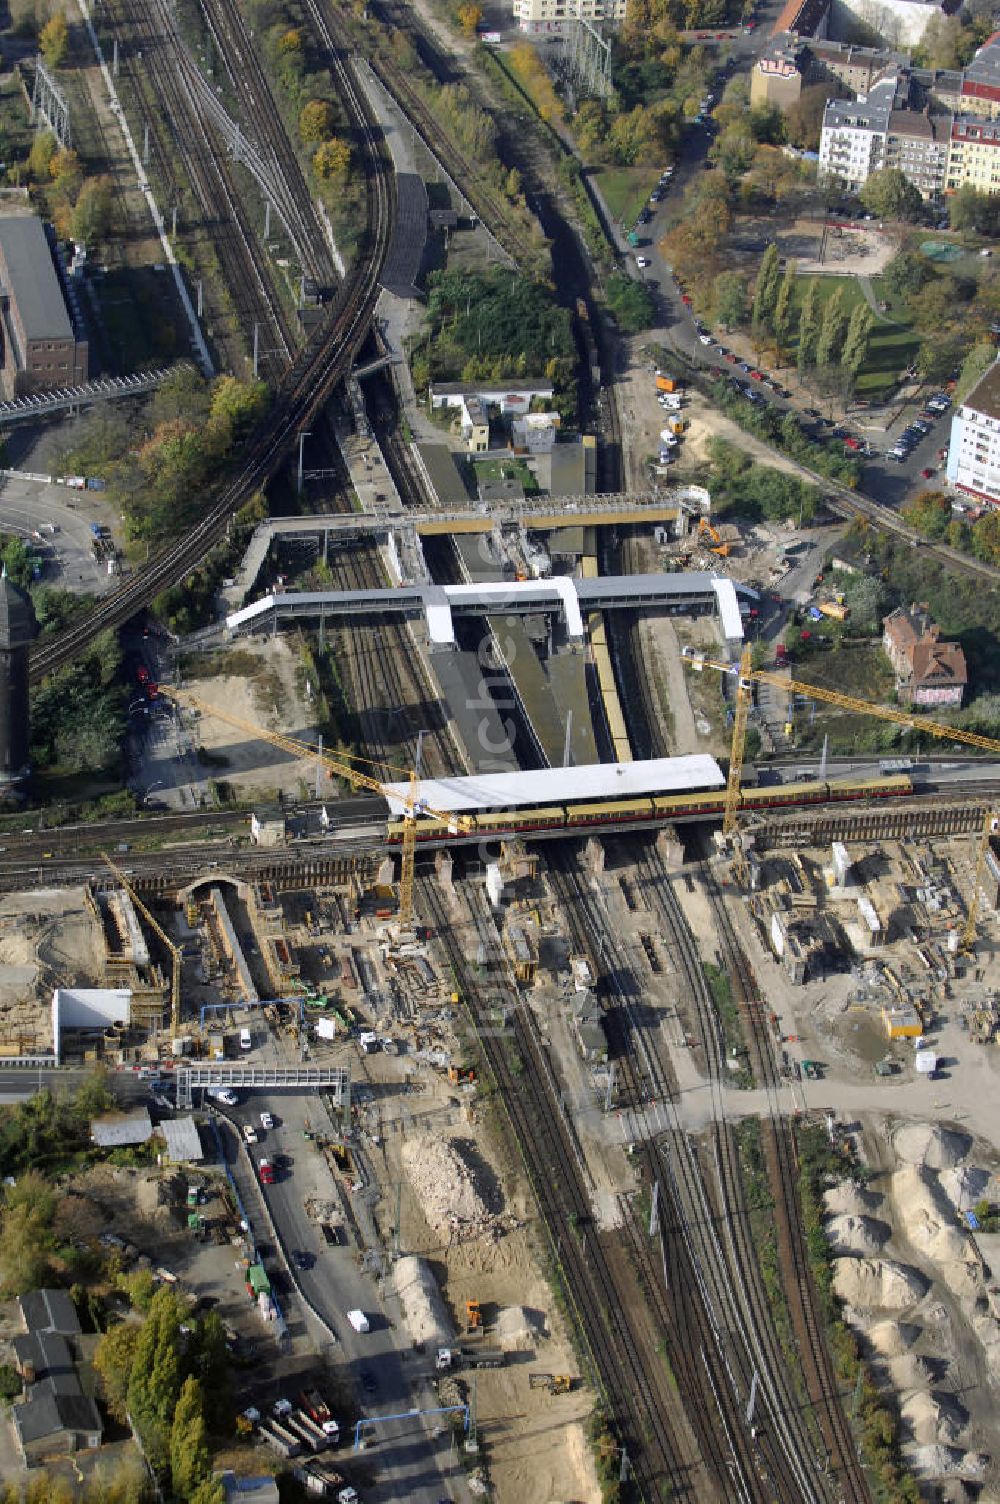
(603, 780)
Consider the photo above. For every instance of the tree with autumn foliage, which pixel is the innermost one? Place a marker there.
(332, 159)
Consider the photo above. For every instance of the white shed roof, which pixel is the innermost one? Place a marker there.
(183, 1141)
(729, 608)
(605, 780)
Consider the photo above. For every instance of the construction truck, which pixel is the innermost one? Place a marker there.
(555, 1383)
(469, 1357)
(668, 384)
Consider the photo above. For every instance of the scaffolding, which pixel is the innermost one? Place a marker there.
(48, 105)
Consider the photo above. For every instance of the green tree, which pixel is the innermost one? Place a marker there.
(889, 195)
(631, 304)
(53, 40)
(94, 215)
(317, 120)
(729, 299)
(210, 1365)
(766, 290)
(114, 1360)
(210, 1491)
(189, 1455)
(867, 598)
(809, 325)
(906, 274)
(858, 339)
(156, 1376)
(976, 364)
(43, 149)
(95, 1093)
(733, 149)
(25, 1249)
(831, 331)
(783, 307)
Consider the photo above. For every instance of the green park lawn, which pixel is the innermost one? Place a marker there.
(626, 190)
(892, 347)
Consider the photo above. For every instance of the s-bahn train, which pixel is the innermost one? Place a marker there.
(648, 809)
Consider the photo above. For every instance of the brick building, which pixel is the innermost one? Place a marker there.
(44, 345)
(928, 670)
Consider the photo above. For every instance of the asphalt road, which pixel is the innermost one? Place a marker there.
(388, 1378)
(26, 506)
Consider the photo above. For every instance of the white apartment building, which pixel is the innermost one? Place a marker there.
(974, 450)
(537, 17)
(856, 133)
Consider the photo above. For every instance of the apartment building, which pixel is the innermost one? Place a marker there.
(539, 17)
(918, 144)
(855, 134)
(974, 448)
(974, 158)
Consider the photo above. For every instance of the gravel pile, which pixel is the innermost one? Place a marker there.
(448, 1190)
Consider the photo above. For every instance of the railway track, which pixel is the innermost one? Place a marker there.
(634, 1387)
(306, 227)
(783, 1163)
(178, 131)
(306, 385)
(779, 1460)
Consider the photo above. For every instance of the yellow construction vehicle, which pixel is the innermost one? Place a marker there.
(717, 546)
(473, 1316)
(412, 803)
(555, 1383)
(747, 676)
(175, 954)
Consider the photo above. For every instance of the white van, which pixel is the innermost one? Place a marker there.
(359, 1321)
(246, 1040)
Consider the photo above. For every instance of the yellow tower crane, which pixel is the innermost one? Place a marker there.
(175, 954)
(412, 803)
(747, 676)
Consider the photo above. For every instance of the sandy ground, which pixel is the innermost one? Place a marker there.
(534, 1442)
(48, 938)
(270, 694)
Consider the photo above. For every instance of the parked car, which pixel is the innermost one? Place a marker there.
(642, 261)
(706, 339)
(266, 1120)
(926, 472)
(266, 1171)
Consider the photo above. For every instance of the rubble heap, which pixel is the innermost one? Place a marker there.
(447, 1190)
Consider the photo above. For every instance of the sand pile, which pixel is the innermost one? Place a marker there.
(878, 1283)
(857, 1235)
(890, 1339)
(928, 1218)
(519, 1328)
(845, 1199)
(448, 1191)
(927, 1144)
(910, 1372)
(424, 1313)
(933, 1417)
